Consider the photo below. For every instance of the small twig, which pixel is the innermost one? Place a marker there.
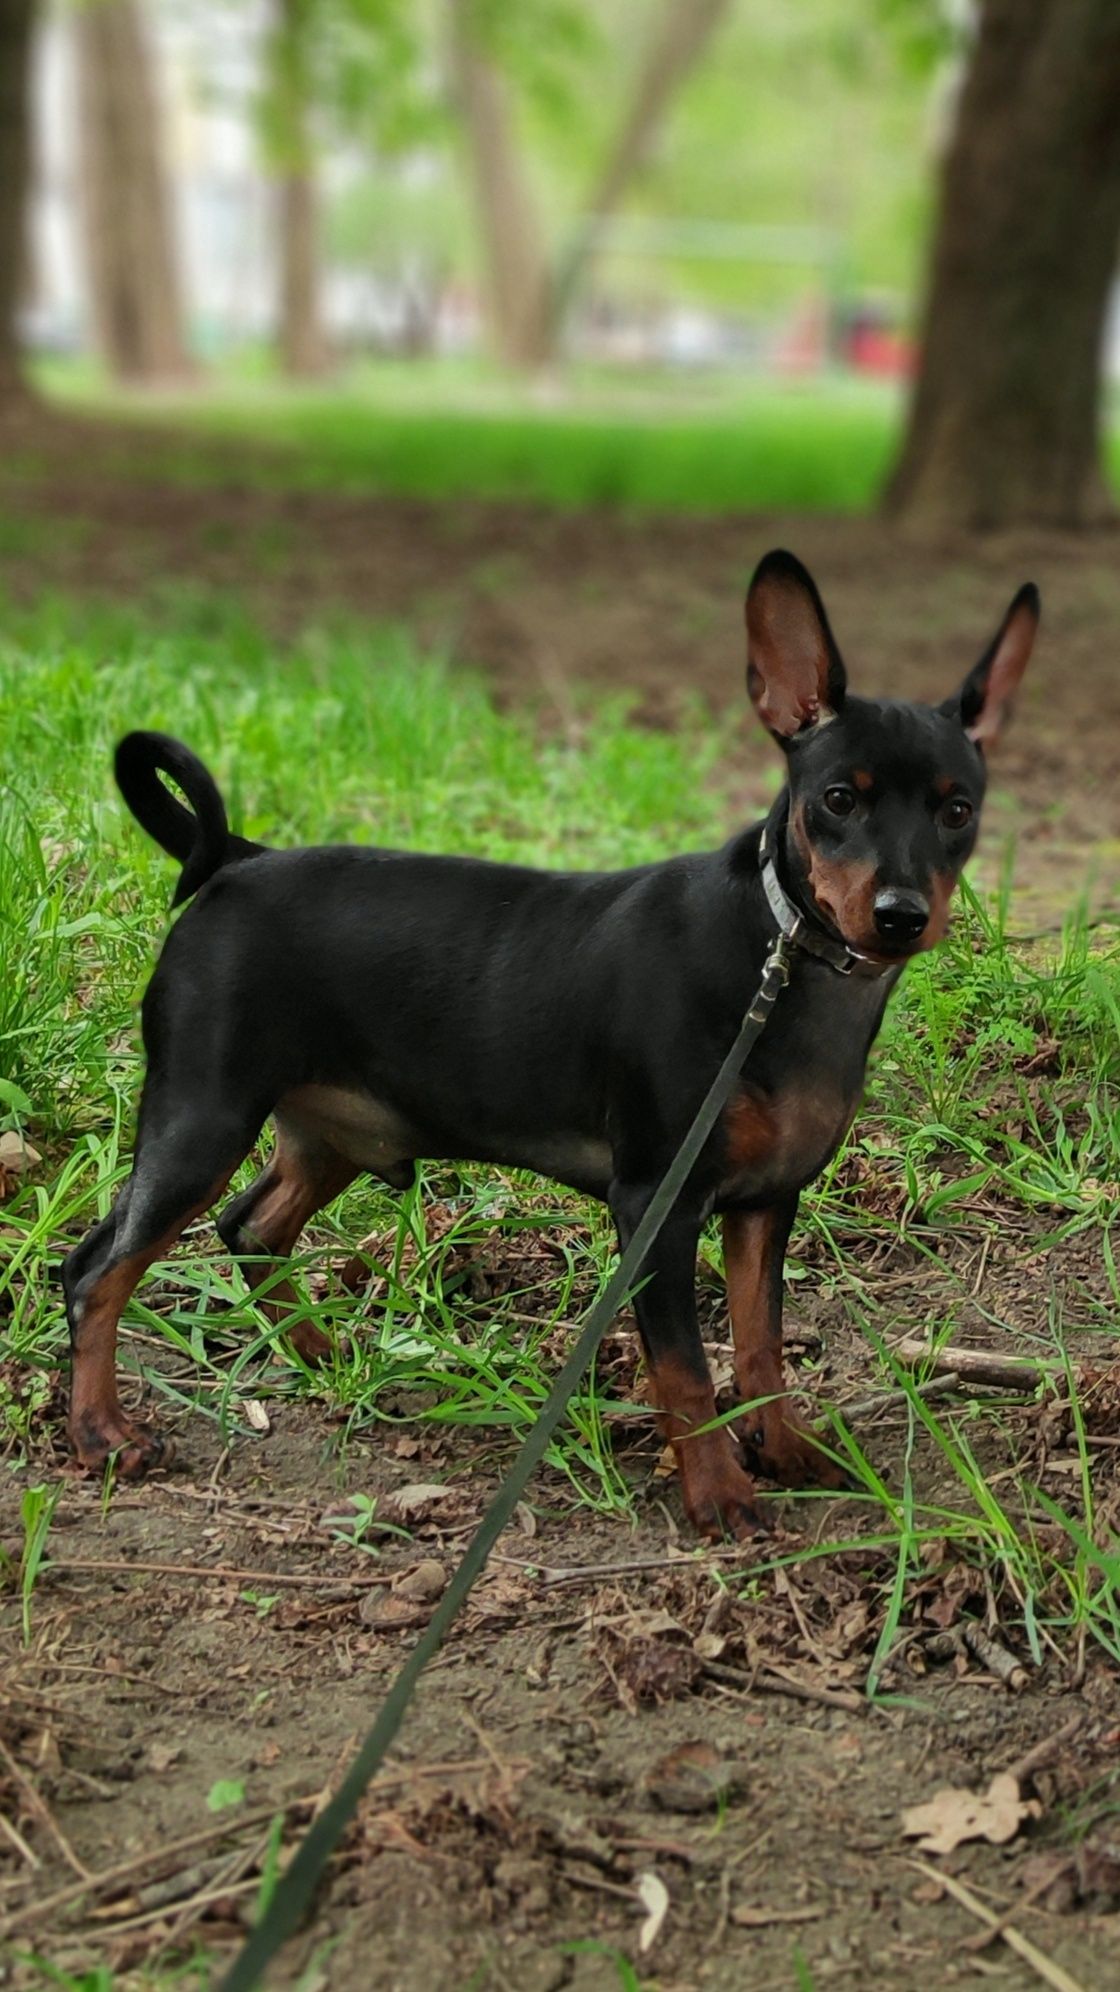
(587, 1878)
(978, 1365)
(200, 1901)
(1027, 1900)
(984, 1251)
(110, 1675)
(584, 1573)
(124, 1870)
(882, 1400)
(19, 1843)
(1033, 1760)
(42, 1811)
(772, 1682)
(127, 1567)
(1052, 1974)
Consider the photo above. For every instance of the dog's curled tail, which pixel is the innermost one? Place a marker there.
(199, 837)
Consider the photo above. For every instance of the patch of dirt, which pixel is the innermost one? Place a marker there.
(544, 601)
(612, 1704)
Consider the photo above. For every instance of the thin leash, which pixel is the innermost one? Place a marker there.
(297, 1885)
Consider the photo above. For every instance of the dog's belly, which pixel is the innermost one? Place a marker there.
(375, 1136)
(368, 1132)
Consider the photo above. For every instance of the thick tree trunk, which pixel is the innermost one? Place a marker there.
(685, 29)
(303, 344)
(303, 347)
(133, 269)
(15, 148)
(517, 275)
(1005, 422)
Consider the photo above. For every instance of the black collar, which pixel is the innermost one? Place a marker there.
(803, 930)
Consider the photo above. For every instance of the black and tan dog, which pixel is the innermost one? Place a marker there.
(381, 1007)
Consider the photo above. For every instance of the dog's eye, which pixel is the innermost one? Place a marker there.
(955, 813)
(839, 801)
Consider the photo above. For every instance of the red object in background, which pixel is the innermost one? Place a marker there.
(872, 349)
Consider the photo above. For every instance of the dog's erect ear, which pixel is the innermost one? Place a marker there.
(795, 675)
(987, 696)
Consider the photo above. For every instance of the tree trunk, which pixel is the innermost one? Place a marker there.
(303, 344)
(133, 270)
(686, 28)
(15, 149)
(517, 276)
(1004, 427)
(303, 348)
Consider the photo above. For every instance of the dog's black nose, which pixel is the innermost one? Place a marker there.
(901, 916)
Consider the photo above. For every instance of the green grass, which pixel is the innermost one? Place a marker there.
(709, 446)
(711, 443)
(352, 734)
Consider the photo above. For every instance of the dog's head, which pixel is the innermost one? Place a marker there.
(884, 796)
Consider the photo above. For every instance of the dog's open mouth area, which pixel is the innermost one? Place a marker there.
(637, 1761)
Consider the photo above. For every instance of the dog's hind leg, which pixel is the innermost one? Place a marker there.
(261, 1226)
(181, 1167)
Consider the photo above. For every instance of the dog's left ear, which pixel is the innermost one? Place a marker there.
(986, 698)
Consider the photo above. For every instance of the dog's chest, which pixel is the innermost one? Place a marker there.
(778, 1142)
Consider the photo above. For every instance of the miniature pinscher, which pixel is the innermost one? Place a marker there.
(381, 1007)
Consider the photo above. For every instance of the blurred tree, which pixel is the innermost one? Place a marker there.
(15, 121)
(130, 247)
(511, 239)
(288, 112)
(528, 289)
(1005, 422)
(334, 69)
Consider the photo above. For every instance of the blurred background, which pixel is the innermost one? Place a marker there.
(299, 297)
(663, 208)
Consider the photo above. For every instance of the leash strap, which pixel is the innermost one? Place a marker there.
(297, 1885)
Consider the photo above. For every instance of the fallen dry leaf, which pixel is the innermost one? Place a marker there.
(692, 1778)
(654, 1898)
(255, 1415)
(424, 1584)
(17, 1155)
(412, 1503)
(952, 1816)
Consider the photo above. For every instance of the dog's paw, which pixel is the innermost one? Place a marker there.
(719, 1498)
(310, 1343)
(778, 1446)
(134, 1449)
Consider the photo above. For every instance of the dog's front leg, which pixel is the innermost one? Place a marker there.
(718, 1495)
(777, 1443)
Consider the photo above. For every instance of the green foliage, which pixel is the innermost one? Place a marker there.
(342, 68)
(37, 1513)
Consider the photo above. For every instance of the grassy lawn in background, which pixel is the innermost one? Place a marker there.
(350, 735)
(444, 430)
(690, 444)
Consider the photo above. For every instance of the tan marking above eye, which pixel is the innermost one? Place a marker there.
(862, 780)
(944, 786)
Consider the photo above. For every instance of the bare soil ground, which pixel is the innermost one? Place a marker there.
(613, 1704)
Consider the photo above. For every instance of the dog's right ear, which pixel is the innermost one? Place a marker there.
(795, 674)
